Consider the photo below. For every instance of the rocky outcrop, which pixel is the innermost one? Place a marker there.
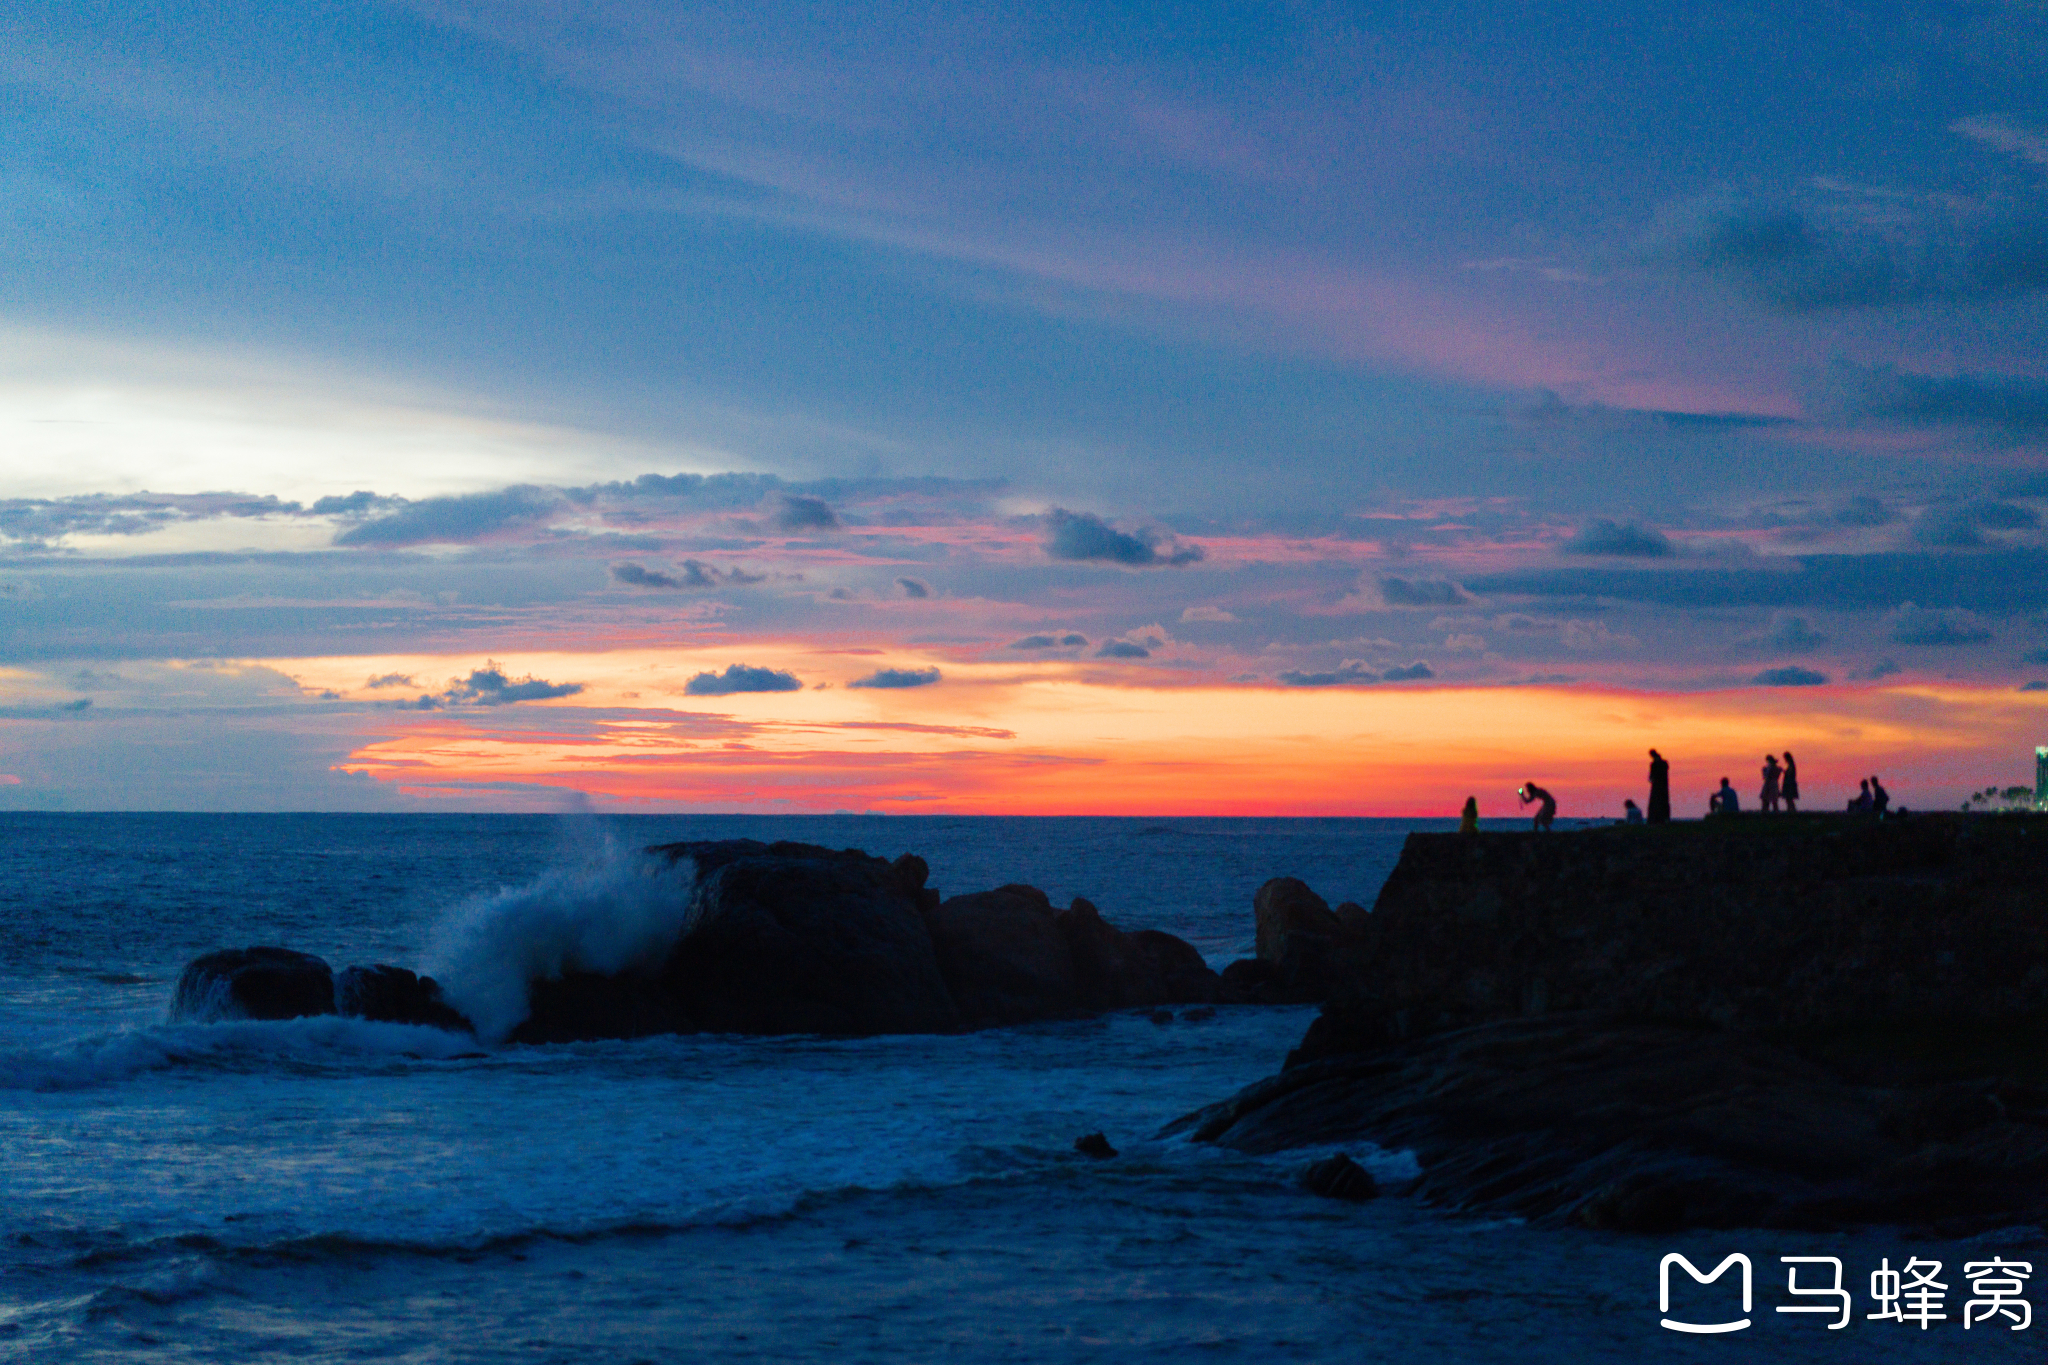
(253, 983)
(795, 938)
(1802, 1022)
(394, 995)
(1299, 942)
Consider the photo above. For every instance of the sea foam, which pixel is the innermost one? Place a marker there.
(617, 911)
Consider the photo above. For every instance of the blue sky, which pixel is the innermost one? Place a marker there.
(1645, 348)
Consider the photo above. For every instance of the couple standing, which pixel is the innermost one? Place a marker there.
(1781, 784)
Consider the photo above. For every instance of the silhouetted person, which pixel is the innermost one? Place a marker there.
(1660, 789)
(1546, 812)
(1879, 797)
(1788, 786)
(1724, 801)
(1859, 804)
(1468, 818)
(1768, 801)
(1631, 813)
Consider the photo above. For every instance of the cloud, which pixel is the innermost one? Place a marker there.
(1962, 526)
(1350, 671)
(1068, 641)
(1863, 510)
(1122, 649)
(2035, 686)
(488, 686)
(1886, 395)
(1883, 668)
(1843, 247)
(914, 588)
(2004, 579)
(696, 574)
(1414, 672)
(1604, 537)
(391, 680)
(795, 512)
(1913, 625)
(37, 521)
(452, 520)
(1793, 633)
(1080, 536)
(360, 503)
(741, 678)
(1789, 676)
(83, 703)
(1422, 592)
(1993, 131)
(898, 677)
(1206, 614)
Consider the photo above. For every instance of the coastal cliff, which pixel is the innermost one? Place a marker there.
(1804, 1021)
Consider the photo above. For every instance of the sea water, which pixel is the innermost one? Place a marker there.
(331, 1189)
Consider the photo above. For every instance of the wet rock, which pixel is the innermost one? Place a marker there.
(1201, 1014)
(394, 995)
(1299, 940)
(1160, 1016)
(795, 938)
(1004, 957)
(253, 983)
(1095, 1145)
(1339, 1177)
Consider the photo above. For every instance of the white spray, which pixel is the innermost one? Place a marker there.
(620, 910)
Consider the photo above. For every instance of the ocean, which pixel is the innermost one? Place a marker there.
(330, 1189)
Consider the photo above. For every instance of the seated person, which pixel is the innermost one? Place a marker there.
(1631, 813)
(1724, 801)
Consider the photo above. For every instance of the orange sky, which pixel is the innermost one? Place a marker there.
(1044, 739)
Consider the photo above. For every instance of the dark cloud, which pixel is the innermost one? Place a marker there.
(1079, 536)
(1913, 625)
(1793, 632)
(360, 503)
(391, 680)
(1886, 394)
(37, 521)
(2035, 686)
(1422, 592)
(696, 574)
(1847, 253)
(1414, 672)
(1883, 668)
(452, 520)
(1122, 649)
(488, 686)
(2000, 580)
(2035, 656)
(1863, 510)
(1789, 676)
(795, 512)
(914, 587)
(741, 678)
(1351, 671)
(1552, 410)
(1963, 526)
(83, 703)
(1068, 641)
(898, 677)
(1604, 537)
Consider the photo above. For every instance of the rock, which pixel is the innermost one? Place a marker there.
(586, 1007)
(1160, 1016)
(1201, 1014)
(1004, 957)
(394, 995)
(794, 938)
(1339, 1177)
(1095, 1145)
(253, 983)
(1117, 970)
(1285, 907)
(1298, 943)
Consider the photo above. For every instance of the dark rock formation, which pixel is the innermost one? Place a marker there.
(1005, 958)
(794, 938)
(1298, 942)
(1339, 1177)
(1095, 1145)
(394, 995)
(1800, 1022)
(253, 983)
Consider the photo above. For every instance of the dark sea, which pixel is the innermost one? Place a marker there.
(330, 1189)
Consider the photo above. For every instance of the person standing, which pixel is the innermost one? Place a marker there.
(1660, 789)
(1880, 799)
(1545, 812)
(1468, 819)
(1788, 786)
(1768, 800)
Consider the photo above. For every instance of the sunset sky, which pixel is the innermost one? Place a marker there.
(1234, 409)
